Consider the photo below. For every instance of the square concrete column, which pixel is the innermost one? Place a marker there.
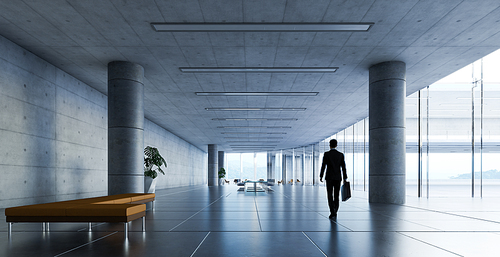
(212, 165)
(387, 150)
(125, 128)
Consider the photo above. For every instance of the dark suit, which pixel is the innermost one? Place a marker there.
(334, 161)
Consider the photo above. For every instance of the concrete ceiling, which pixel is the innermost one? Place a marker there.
(434, 38)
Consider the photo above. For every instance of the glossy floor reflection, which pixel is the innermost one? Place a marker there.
(291, 221)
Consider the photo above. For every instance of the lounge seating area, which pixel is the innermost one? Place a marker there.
(114, 208)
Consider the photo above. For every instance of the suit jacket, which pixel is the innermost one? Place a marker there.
(333, 160)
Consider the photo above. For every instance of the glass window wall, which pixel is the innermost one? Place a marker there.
(453, 139)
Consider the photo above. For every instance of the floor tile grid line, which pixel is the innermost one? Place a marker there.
(198, 212)
(199, 245)
(407, 220)
(435, 211)
(452, 214)
(178, 192)
(429, 243)
(317, 246)
(289, 197)
(257, 211)
(93, 241)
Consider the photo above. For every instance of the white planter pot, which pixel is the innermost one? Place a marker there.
(149, 185)
(221, 181)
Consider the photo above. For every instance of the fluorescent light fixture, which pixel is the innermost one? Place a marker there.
(249, 146)
(257, 119)
(256, 93)
(252, 147)
(455, 105)
(262, 27)
(445, 110)
(274, 138)
(258, 69)
(478, 98)
(252, 127)
(254, 142)
(254, 133)
(254, 109)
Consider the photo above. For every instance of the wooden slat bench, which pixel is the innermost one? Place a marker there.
(114, 208)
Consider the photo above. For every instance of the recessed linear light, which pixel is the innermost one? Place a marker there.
(248, 148)
(254, 109)
(253, 127)
(478, 98)
(262, 27)
(258, 69)
(251, 146)
(254, 142)
(255, 133)
(274, 138)
(261, 119)
(445, 110)
(256, 93)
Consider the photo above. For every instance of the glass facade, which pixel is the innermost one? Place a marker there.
(452, 134)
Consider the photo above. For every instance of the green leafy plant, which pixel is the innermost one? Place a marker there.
(222, 173)
(153, 162)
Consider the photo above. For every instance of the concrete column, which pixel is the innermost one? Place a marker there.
(125, 128)
(212, 165)
(283, 168)
(387, 133)
(270, 164)
(220, 164)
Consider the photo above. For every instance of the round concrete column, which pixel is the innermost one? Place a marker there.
(125, 128)
(387, 133)
(212, 165)
(220, 164)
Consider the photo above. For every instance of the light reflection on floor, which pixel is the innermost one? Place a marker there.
(291, 221)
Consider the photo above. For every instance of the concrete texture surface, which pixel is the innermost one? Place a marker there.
(54, 136)
(387, 147)
(434, 39)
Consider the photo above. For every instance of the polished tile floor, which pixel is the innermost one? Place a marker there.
(291, 221)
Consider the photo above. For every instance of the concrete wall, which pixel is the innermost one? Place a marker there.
(52, 132)
(53, 135)
(187, 164)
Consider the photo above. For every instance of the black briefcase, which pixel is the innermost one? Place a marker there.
(345, 190)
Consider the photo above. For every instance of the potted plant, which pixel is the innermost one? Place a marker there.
(152, 166)
(222, 175)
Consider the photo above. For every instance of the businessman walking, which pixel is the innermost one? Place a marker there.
(334, 162)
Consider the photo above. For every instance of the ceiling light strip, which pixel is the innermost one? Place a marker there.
(247, 148)
(255, 119)
(252, 127)
(254, 133)
(253, 142)
(258, 69)
(256, 93)
(253, 145)
(254, 109)
(262, 27)
(274, 138)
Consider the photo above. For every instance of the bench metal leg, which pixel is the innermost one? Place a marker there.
(10, 229)
(143, 224)
(43, 226)
(125, 229)
(47, 227)
(90, 226)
